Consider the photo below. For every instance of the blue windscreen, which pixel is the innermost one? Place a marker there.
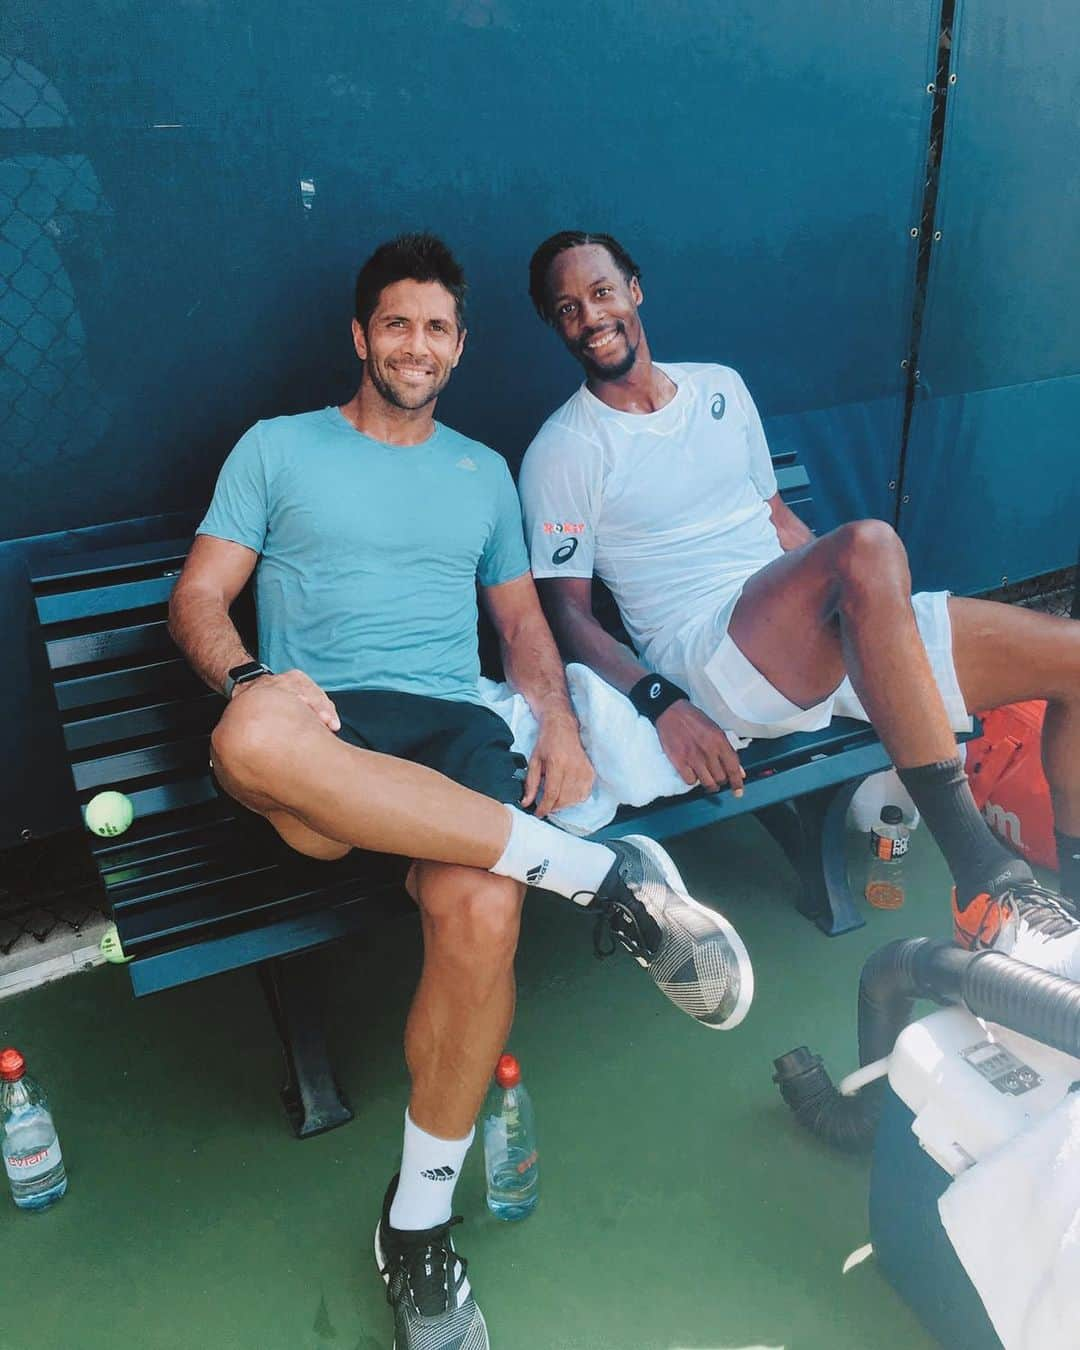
(993, 470)
(187, 190)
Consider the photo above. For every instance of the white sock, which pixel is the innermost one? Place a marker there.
(430, 1168)
(542, 855)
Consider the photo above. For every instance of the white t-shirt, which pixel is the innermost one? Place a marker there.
(667, 508)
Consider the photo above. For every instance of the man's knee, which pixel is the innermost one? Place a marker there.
(246, 743)
(476, 913)
(869, 554)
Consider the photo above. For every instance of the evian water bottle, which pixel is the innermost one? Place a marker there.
(511, 1160)
(32, 1159)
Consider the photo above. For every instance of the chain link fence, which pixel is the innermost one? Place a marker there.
(51, 209)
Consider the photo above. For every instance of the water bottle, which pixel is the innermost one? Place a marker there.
(888, 845)
(32, 1158)
(511, 1160)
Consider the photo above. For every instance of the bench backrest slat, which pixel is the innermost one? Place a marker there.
(137, 642)
(67, 606)
(88, 733)
(175, 678)
(118, 771)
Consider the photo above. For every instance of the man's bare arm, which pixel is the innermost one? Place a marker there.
(532, 664)
(790, 530)
(700, 751)
(215, 573)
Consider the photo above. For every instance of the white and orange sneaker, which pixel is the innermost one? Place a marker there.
(1023, 920)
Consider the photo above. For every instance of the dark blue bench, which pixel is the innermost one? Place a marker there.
(197, 885)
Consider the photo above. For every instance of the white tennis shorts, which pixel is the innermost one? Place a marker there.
(735, 694)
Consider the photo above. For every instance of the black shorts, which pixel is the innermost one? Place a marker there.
(465, 741)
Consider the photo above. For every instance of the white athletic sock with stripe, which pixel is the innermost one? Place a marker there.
(544, 856)
(430, 1168)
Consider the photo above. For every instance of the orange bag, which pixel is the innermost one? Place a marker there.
(1004, 767)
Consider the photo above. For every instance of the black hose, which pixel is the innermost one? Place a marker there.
(989, 984)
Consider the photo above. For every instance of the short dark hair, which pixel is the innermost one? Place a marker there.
(409, 257)
(549, 250)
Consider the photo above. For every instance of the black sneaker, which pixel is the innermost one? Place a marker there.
(693, 954)
(426, 1286)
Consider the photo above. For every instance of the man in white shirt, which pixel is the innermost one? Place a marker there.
(657, 478)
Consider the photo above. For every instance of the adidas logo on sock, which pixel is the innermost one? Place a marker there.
(536, 874)
(438, 1173)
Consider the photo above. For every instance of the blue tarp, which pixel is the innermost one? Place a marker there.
(185, 196)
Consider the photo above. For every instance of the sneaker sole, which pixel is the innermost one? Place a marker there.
(746, 969)
(380, 1262)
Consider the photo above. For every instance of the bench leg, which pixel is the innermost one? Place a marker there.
(811, 831)
(294, 986)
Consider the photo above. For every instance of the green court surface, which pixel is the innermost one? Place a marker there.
(681, 1208)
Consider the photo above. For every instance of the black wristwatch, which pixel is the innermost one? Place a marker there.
(250, 670)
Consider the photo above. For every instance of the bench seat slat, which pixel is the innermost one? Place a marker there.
(126, 851)
(132, 888)
(156, 971)
(171, 920)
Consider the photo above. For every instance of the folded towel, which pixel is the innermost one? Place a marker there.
(1014, 1220)
(631, 767)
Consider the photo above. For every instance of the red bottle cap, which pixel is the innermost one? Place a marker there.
(12, 1065)
(507, 1071)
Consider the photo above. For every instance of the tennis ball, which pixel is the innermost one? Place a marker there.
(110, 946)
(109, 813)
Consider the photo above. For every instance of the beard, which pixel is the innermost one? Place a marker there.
(408, 398)
(614, 371)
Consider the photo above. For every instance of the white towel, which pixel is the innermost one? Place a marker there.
(631, 767)
(1014, 1220)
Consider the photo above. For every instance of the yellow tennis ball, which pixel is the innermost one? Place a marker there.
(109, 813)
(110, 946)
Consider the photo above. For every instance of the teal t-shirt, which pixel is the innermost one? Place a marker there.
(369, 553)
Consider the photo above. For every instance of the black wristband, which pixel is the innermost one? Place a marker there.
(653, 695)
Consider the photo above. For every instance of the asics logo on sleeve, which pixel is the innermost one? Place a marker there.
(564, 552)
(719, 403)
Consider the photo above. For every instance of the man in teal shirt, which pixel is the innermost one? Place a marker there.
(367, 528)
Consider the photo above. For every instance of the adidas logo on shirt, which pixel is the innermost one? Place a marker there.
(466, 463)
(536, 874)
(438, 1173)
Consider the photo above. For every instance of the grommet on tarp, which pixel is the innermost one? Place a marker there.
(937, 235)
(914, 231)
(931, 88)
(904, 364)
(952, 78)
(892, 484)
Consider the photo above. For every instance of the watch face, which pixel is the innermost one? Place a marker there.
(250, 670)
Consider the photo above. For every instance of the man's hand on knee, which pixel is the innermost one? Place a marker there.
(699, 749)
(303, 687)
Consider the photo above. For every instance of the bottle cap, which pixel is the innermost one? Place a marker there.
(891, 815)
(12, 1065)
(507, 1072)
